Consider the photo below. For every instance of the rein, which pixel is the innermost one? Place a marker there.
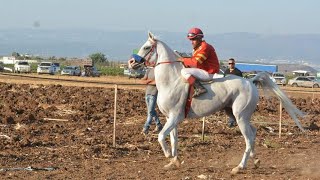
(168, 62)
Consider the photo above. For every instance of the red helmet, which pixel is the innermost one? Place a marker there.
(195, 33)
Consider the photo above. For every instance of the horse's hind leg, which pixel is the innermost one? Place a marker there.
(249, 136)
(256, 161)
(232, 119)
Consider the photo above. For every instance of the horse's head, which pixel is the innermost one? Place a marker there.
(147, 54)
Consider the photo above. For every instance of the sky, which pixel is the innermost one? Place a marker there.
(212, 16)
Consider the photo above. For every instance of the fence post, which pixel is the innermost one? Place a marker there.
(115, 114)
(280, 118)
(203, 120)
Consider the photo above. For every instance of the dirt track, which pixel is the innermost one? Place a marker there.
(79, 146)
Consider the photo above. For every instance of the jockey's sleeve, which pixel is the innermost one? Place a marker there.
(199, 56)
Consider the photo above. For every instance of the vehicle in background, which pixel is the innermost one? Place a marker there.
(71, 70)
(1, 66)
(46, 68)
(303, 81)
(132, 73)
(279, 78)
(5, 69)
(90, 71)
(56, 67)
(22, 67)
(312, 78)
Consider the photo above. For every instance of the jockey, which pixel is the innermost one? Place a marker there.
(204, 61)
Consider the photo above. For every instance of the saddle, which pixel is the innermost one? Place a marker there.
(197, 89)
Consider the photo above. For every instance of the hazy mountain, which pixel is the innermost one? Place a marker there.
(119, 45)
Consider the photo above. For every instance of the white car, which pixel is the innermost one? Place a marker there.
(71, 70)
(132, 73)
(22, 67)
(279, 77)
(46, 68)
(303, 81)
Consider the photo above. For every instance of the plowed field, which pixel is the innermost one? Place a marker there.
(64, 130)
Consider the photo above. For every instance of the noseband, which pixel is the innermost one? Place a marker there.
(148, 55)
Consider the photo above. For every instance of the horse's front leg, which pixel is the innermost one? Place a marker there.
(174, 141)
(162, 137)
(175, 162)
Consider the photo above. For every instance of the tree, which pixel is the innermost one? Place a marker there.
(15, 54)
(98, 58)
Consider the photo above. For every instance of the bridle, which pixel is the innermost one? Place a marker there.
(148, 55)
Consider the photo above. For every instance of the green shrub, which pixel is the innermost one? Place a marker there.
(111, 71)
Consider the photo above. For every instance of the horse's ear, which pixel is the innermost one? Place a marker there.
(151, 36)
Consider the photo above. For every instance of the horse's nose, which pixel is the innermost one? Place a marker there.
(131, 62)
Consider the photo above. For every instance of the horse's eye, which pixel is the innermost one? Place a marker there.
(147, 48)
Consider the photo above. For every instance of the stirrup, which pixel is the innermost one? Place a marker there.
(198, 92)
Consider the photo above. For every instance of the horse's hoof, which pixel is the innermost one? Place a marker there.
(257, 163)
(168, 154)
(236, 170)
(169, 166)
(174, 163)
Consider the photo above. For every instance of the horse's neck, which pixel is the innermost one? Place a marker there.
(165, 54)
(168, 71)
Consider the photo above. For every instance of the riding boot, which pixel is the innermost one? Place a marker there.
(198, 89)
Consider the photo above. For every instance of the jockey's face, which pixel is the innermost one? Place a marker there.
(196, 43)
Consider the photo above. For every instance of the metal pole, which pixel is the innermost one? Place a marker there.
(115, 114)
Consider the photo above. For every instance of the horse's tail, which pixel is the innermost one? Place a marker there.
(264, 79)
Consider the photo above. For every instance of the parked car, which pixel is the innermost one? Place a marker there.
(132, 73)
(22, 67)
(279, 78)
(312, 78)
(1, 66)
(56, 67)
(46, 68)
(303, 81)
(71, 70)
(90, 71)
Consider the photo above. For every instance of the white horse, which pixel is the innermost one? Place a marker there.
(238, 96)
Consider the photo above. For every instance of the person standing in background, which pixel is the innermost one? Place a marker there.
(232, 68)
(151, 100)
